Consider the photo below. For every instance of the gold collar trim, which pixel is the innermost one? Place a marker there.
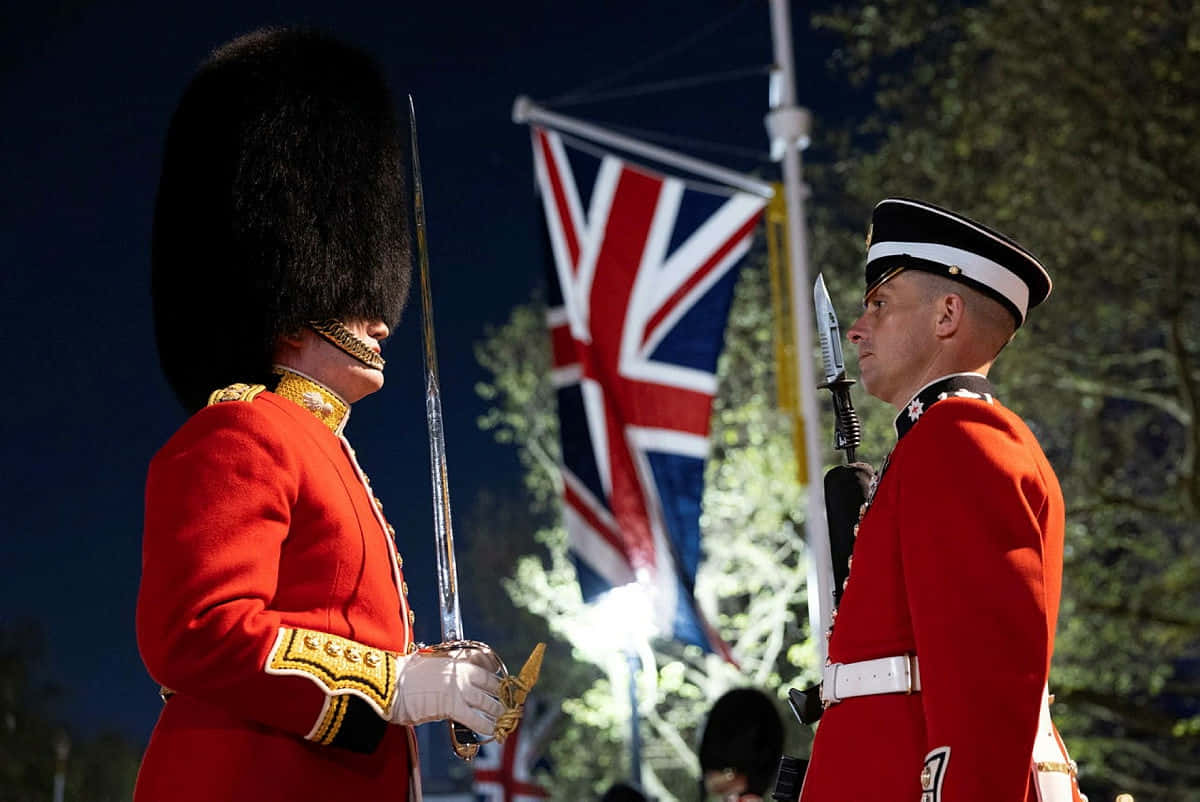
(328, 407)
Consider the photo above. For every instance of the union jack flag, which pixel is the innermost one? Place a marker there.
(644, 267)
(504, 773)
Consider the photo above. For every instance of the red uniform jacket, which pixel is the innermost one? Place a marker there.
(273, 607)
(958, 561)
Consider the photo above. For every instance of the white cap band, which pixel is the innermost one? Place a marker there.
(973, 266)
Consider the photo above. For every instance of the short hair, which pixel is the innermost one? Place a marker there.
(997, 320)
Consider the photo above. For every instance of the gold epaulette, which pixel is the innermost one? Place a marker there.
(236, 392)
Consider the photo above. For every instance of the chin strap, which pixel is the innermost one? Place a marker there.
(336, 332)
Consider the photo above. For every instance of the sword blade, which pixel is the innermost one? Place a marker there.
(443, 526)
(463, 741)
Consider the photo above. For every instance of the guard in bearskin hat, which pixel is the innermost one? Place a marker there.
(740, 747)
(936, 687)
(273, 608)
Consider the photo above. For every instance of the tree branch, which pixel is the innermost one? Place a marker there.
(1191, 398)
(1134, 716)
(1083, 386)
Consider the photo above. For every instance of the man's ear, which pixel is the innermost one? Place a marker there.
(949, 314)
(295, 339)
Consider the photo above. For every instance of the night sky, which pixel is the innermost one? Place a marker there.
(86, 91)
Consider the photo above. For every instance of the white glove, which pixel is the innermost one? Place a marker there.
(461, 683)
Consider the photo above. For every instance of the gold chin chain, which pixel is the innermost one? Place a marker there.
(336, 332)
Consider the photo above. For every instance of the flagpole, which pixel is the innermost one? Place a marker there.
(526, 111)
(788, 126)
(635, 733)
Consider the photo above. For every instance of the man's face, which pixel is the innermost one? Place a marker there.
(322, 360)
(895, 339)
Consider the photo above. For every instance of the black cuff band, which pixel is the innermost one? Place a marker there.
(362, 728)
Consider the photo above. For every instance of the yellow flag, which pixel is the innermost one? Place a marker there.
(784, 327)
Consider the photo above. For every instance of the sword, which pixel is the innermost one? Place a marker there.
(464, 741)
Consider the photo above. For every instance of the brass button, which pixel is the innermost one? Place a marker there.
(955, 270)
(353, 654)
(412, 647)
(412, 617)
(399, 561)
(404, 587)
(372, 659)
(378, 504)
(926, 779)
(391, 530)
(333, 648)
(312, 641)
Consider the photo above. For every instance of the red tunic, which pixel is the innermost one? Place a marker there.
(272, 605)
(958, 560)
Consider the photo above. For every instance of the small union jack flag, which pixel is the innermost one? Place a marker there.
(642, 280)
(504, 773)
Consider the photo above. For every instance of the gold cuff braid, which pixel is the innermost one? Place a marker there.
(338, 665)
(336, 332)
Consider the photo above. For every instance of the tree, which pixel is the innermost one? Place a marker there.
(1070, 126)
(99, 768)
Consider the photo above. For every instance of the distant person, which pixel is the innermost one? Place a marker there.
(940, 651)
(740, 747)
(273, 607)
(620, 792)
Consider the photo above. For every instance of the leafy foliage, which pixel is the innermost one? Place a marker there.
(101, 767)
(1069, 126)
(751, 584)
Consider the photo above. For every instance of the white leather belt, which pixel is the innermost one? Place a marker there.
(897, 674)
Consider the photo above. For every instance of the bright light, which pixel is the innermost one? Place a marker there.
(622, 619)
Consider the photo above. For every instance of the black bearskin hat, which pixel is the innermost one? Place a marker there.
(744, 733)
(283, 199)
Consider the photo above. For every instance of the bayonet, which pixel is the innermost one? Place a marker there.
(845, 485)
(847, 431)
(464, 741)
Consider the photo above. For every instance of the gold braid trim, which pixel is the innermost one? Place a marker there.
(235, 392)
(331, 722)
(337, 333)
(514, 690)
(1057, 768)
(328, 407)
(338, 665)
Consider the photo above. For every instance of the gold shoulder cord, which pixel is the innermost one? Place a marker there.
(235, 392)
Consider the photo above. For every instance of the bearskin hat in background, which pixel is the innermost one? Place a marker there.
(743, 732)
(283, 199)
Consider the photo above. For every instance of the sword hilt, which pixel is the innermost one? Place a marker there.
(847, 435)
(463, 740)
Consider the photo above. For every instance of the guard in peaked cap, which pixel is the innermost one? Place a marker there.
(909, 234)
(741, 745)
(936, 687)
(282, 202)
